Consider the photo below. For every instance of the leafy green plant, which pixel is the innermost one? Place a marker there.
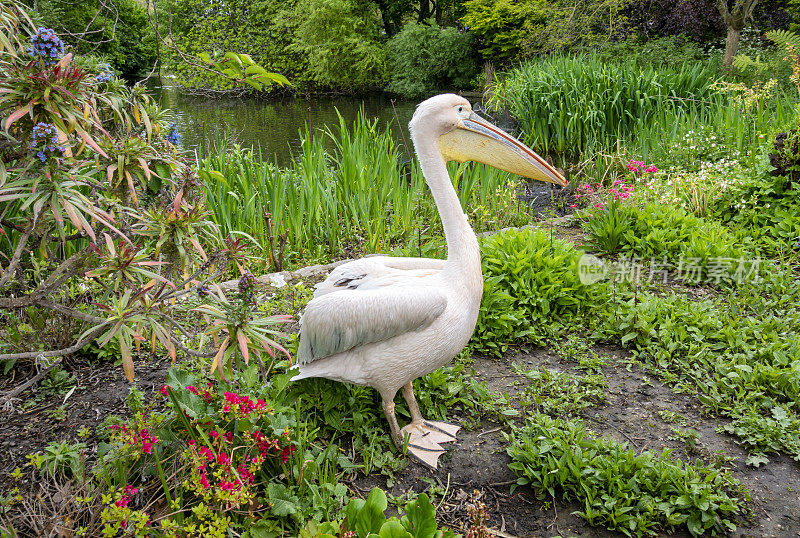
(636, 494)
(60, 457)
(577, 104)
(532, 289)
(366, 518)
(560, 394)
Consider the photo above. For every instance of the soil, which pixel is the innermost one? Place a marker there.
(478, 460)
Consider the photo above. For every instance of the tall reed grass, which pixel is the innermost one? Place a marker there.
(580, 109)
(356, 198)
(569, 104)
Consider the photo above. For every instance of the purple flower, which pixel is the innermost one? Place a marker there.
(47, 46)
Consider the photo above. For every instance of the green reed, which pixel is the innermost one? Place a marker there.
(575, 104)
(346, 192)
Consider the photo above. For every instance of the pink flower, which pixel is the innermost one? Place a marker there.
(598, 204)
(204, 480)
(147, 447)
(213, 433)
(287, 452)
(163, 389)
(229, 436)
(130, 490)
(652, 168)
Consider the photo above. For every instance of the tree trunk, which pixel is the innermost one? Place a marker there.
(731, 45)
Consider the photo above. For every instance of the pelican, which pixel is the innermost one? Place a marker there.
(385, 321)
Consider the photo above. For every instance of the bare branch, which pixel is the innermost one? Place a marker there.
(58, 352)
(71, 312)
(15, 259)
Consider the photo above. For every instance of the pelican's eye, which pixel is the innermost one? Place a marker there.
(462, 111)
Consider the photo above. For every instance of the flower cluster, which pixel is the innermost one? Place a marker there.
(597, 195)
(45, 140)
(222, 471)
(172, 135)
(127, 495)
(45, 44)
(140, 440)
(640, 166)
(118, 517)
(243, 406)
(105, 74)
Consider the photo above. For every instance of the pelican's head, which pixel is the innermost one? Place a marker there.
(462, 136)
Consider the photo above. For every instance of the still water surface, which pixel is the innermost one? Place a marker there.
(273, 125)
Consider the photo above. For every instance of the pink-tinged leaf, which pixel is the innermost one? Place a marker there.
(64, 62)
(110, 244)
(73, 216)
(176, 204)
(218, 357)
(110, 172)
(127, 361)
(196, 244)
(276, 345)
(144, 167)
(17, 115)
(89, 140)
(134, 198)
(151, 263)
(87, 227)
(243, 341)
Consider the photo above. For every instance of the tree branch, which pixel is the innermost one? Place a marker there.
(15, 259)
(58, 352)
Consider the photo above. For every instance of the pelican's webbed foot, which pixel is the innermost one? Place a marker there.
(425, 438)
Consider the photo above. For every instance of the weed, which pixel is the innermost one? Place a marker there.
(672, 417)
(636, 494)
(560, 394)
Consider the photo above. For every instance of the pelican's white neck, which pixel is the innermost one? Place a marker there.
(463, 252)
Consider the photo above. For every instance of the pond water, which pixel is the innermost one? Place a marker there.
(272, 125)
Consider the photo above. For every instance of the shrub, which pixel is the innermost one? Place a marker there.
(532, 289)
(424, 59)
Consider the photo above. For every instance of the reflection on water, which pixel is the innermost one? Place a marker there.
(274, 126)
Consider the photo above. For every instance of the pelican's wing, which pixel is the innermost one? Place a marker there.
(369, 272)
(406, 263)
(340, 321)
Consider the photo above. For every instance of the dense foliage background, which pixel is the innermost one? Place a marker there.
(354, 46)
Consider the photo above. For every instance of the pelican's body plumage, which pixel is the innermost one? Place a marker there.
(384, 321)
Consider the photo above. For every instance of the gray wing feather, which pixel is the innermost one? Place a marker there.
(343, 320)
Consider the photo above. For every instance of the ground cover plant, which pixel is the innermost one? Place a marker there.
(113, 243)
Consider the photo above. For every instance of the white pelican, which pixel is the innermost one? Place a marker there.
(385, 321)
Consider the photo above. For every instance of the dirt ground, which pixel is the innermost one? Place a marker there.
(631, 415)
(478, 460)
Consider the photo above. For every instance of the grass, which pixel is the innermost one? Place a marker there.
(358, 197)
(581, 109)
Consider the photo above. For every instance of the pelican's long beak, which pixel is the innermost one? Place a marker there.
(475, 139)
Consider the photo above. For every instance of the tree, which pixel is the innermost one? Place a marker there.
(117, 30)
(341, 39)
(736, 18)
